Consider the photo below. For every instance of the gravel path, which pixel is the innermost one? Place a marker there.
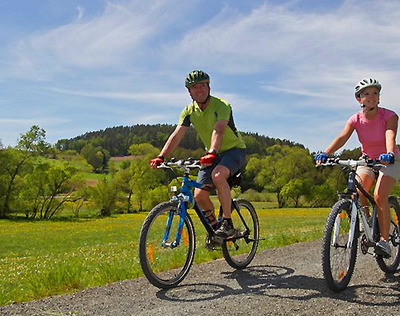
(281, 281)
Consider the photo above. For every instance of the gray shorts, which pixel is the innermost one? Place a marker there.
(234, 159)
(392, 170)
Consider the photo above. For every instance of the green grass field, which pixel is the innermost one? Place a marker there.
(42, 258)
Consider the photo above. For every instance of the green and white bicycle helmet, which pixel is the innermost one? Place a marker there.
(196, 76)
(365, 83)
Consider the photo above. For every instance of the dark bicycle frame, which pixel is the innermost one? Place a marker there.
(351, 193)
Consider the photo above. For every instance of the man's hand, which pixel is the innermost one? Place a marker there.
(387, 158)
(156, 161)
(207, 160)
(320, 157)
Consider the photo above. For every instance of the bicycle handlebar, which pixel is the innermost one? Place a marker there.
(184, 164)
(352, 163)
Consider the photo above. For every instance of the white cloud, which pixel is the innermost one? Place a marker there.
(317, 53)
(145, 97)
(108, 40)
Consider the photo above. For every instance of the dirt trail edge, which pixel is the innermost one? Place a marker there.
(281, 281)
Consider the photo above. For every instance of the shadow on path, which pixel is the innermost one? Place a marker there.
(281, 282)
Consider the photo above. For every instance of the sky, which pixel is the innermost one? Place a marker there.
(288, 68)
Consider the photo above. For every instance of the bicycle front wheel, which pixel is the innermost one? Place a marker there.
(240, 250)
(164, 264)
(338, 259)
(390, 265)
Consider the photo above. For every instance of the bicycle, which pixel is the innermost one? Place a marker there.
(167, 239)
(342, 229)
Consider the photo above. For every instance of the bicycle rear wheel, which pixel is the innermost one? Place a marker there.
(390, 265)
(338, 260)
(166, 266)
(240, 250)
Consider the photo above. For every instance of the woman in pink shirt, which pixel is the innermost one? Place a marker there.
(376, 128)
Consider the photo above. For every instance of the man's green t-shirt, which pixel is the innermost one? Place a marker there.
(204, 122)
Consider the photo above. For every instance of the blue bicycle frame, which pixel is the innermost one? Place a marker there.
(184, 197)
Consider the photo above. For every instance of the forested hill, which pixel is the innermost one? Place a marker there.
(116, 140)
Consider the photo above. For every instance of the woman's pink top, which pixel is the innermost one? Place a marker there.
(371, 133)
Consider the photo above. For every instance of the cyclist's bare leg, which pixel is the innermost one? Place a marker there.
(367, 181)
(383, 188)
(220, 175)
(202, 198)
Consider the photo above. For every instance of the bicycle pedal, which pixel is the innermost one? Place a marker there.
(212, 244)
(380, 253)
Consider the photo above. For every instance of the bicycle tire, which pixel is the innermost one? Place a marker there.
(338, 261)
(390, 265)
(239, 252)
(166, 267)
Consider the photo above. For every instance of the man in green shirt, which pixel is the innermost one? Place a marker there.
(212, 119)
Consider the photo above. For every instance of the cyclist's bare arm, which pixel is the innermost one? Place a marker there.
(173, 140)
(391, 131)
(218, 132)
(340, 140)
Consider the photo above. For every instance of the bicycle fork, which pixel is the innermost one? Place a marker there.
(368, 231)
(182, 211)
(352, 229)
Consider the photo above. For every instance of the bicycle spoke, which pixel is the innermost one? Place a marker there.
(390, 265)
(240, 250)
(338, 260)
(164, 263)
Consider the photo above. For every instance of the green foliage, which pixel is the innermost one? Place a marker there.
(105, 196)
(79, 197)
(117, 140)
(328, 184)
(144, 149)
(296, 188)
(143, 180)
(34, 141)
(351, 154)
(96, 156)
(14, 165)
(280, 171)
(46, 188)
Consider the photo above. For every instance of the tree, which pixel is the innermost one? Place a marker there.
(14, 164)
(123, 178)
(46, 188)
(328, 183)
(105, 195)
(279, 167)
(143, 179)
(34, 141)
(144, 149)
(79, 196)
(296, 188)
(96, 156)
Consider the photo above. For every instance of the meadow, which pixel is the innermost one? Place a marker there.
(42, 258)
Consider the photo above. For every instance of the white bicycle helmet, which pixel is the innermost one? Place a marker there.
(365, 83)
